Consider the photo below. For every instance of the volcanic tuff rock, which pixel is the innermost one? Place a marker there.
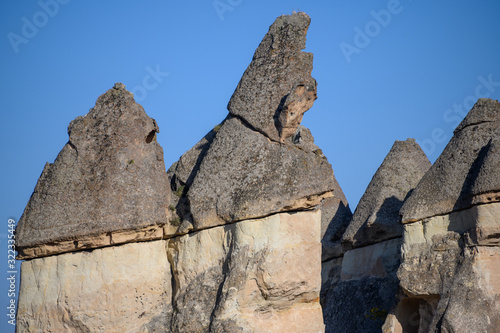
(359, 286)
(457, 179)
(107, 185)
(256, 177)
(450, 252)
(259, 160)
(277, 87)
(235, 248)
(377, 215)
(124, 288)
(253, 276)
(335, 217)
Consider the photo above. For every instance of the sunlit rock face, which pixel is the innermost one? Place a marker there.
(258, 275)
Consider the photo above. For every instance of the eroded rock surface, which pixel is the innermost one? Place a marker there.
(236, 246)
(244, 175)
(451, 235)
(277, 87)
(457, 179)
(108, 180)
(377, 215)
(360, 286)
(260, 160)
(253, 276)
(122, 288)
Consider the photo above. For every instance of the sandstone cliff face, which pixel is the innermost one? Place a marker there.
(228, 240)
(450, 253)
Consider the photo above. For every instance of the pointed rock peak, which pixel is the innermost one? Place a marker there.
(487, 179)
(105, 186)
(286, 35)
(465, 170)
(376, 217)
(277, 88)
(485, 110)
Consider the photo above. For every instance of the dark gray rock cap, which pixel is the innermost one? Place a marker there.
(376, 217)
(244, 175)
(259, 161)
(466, 172)
(109, 177)
(277, 88)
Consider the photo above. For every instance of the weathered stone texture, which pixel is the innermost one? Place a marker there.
(109, 178)
(252, 276)
(277, 87)
(466, 172)
(238, 277)
(244, 175)
(116, 289)
(361, 288)
(260, 160)
(450, 273)
(376, 217)
(451, 235)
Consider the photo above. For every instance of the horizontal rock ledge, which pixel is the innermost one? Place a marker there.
(149, 233)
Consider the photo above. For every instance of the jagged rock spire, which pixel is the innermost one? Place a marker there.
(260, 161)
(277, 87)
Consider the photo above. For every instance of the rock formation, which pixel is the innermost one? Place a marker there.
(107, 185)
(228, 240)
(360, 285)
(450, 253)
(249, 231)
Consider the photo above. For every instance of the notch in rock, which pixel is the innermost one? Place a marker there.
(151, 136)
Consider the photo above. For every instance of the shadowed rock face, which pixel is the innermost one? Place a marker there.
(359, 285)
(377, 215)
(110, 177)
(277, 87)
(458, 179)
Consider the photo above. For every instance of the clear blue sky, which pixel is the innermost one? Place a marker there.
(386, 70)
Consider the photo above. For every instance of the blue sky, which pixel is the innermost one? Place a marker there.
(386, 70)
